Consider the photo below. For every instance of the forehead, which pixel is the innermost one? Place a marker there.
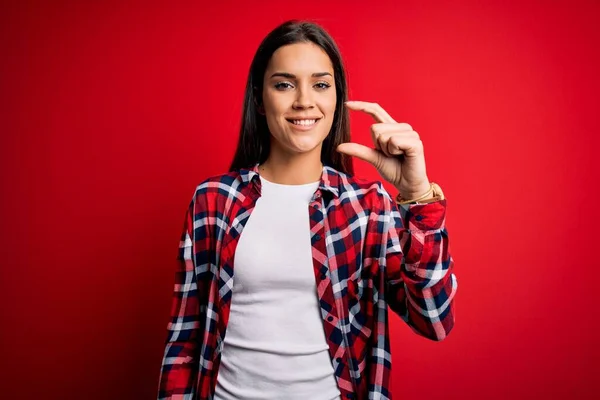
(300, 59)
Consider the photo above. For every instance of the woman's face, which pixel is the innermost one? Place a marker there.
(299, 97)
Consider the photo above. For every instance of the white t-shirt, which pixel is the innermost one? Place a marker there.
(275, 345)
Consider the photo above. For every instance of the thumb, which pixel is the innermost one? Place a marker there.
(358, 150)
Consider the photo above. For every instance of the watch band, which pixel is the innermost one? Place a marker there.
(435, 195)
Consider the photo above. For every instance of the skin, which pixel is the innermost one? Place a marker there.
(299, 82)
(392, 140)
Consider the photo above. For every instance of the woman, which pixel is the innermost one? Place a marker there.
(319, 254)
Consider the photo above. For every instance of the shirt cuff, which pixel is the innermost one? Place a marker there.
(423, 217)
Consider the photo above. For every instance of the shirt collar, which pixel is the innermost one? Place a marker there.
(330, 178)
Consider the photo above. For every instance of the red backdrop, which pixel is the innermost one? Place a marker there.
(112, 113)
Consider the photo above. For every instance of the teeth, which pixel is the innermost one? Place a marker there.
(304, 122)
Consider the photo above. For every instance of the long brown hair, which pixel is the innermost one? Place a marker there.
(254, 140)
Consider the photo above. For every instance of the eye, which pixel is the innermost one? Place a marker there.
(322, 85)
(283, 85)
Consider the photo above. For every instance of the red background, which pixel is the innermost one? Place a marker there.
(111, 114)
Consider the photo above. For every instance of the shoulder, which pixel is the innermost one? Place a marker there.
(212, 187)
(223, 181)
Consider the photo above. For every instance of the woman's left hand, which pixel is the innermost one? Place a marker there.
(392, 140)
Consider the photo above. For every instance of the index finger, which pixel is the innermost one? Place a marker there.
(374, 109)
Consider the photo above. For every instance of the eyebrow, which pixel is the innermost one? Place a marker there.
(292, 76)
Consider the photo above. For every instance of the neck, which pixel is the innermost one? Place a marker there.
(292, 170)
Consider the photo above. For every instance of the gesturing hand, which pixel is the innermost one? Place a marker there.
(398, 154)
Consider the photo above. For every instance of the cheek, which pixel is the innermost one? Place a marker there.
(275, 122)
(329, 109)
(275, 107)
(329, 103)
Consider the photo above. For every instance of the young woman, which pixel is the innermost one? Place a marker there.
(319, 255)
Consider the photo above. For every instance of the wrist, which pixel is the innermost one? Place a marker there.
(416, 193)
(433, 194)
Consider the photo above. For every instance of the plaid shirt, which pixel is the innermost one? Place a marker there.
(367, 253)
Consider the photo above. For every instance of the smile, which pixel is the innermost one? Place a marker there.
(303, 124)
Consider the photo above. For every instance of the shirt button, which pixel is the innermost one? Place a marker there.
(330, 318)
(350, 395)
(339, 359)
(317, 237)
(316, 206)
(419, 217)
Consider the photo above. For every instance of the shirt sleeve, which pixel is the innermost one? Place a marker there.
(179, 369)
(420, 284)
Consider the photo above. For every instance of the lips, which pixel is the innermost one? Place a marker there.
(303, 123)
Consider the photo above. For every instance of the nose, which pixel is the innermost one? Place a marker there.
(304, 99)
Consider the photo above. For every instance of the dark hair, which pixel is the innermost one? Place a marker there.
(254, 140)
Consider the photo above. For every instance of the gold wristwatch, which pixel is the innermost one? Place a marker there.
(435, 195)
